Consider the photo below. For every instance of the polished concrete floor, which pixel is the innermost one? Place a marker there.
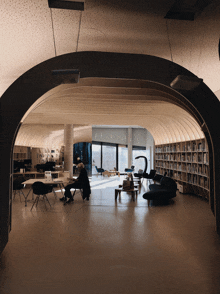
(103, 246)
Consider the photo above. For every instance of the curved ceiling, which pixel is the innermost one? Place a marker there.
(31, 33)
(101, 101)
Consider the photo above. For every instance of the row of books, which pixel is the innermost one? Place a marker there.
(203, 157)
(191, 146)
(188, 168)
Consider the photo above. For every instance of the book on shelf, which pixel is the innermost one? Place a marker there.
(195, 179)
(194, 146)
(189, 167)
(200, 157)
(194, 158)
(188, 147)
(183, 167)
(205, 158)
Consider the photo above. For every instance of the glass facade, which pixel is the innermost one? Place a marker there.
(108, 157)
(82, 150)
(122, 158)
(96, 157)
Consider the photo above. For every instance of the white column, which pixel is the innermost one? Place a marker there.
(129, 147)
(68, 148)
(153, 153)
(150, 147)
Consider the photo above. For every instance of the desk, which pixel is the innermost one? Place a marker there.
(45, 181)
(36, 175)
(132, 191)
(109, 173)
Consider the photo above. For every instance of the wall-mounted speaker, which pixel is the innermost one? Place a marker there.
(187, 83)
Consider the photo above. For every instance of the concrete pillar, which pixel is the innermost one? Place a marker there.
(129, 147)
(68, 148)
(150, 147)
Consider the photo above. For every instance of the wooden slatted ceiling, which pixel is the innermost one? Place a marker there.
(112, 102)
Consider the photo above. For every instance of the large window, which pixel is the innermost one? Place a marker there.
(122, 158)
(96, 157)
(108, 157)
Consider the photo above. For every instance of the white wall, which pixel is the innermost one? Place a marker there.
(140, 136)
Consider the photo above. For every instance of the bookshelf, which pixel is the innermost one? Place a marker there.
(21, 153)
(187, 163)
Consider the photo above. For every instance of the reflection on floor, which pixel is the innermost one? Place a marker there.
(103, 246)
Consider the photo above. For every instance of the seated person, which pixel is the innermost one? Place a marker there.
(82, 182)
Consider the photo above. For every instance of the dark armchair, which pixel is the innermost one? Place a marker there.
(164, 191)
(151, 175)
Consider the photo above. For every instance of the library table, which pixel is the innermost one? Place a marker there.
(45, 181)
(132, 191)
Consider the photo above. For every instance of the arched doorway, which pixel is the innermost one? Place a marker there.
(200, 102)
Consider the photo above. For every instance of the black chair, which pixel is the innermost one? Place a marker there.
(18, 186)
(138, 175)
(41, 189)
(99, 170)
(151, 175)
(130, 170)
(80, 190)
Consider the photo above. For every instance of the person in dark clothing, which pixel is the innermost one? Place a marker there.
(82, 182)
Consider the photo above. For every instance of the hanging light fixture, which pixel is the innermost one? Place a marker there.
(71, 5)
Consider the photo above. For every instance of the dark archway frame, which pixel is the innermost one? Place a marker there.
(201, 103)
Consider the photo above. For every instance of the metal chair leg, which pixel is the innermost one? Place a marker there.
(38, 197)
(45, 197)
(35, 201)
